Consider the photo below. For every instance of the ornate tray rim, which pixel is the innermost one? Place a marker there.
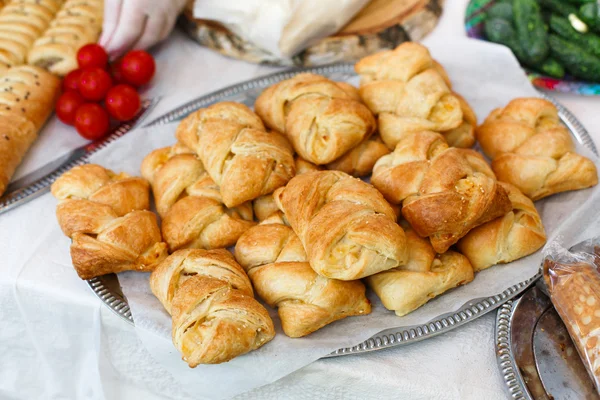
(403, 335)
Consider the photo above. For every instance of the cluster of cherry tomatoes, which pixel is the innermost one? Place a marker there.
(94, 82)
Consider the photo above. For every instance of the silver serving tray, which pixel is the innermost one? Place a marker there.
(107, 287)
(39, 181)
(535, 354)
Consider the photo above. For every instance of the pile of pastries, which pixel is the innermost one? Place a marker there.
(280, 183)
(38, 39)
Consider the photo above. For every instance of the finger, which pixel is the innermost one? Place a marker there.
(129, 30)
(152, 31)
(112, 11)
(168, 26)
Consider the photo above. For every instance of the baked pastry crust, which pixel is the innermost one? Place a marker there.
(238, 153)
(533, 150)
(190, 202)
(444, 191)
(360, 160)
(408, 91)
(215, 317)
(79, 22)
(323, 119)
(515, 235)
(347, 228)
(275, 260)
(463, 136)
(105, 216)
(426, 275)
(27, 97)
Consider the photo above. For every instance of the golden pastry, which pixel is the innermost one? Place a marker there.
(190, 203)
(409, 92)
(515, 235)
(444, 191)
(78, 23)
(346, 226)
(323, 119)
(238, 153)
(215, 317)
(532, 150)
(426, 275)
(275, 260)
(27, 97)
(105, 216)
(463, 136)
(360, 160)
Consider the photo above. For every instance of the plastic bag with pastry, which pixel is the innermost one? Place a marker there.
(215, 317)
(409, 92)
(275, 260)
(190, 203)
(533, 150)
(105, 214)
(243, 159)
(515, 235)
(445, 191)
(425, 276)
(347, 228)
(323, 119)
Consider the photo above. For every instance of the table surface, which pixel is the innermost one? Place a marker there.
(57, 340)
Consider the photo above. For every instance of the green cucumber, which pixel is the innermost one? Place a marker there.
(575, 59)
(501, 31)
(563, 27)
(531, 33)
(501, 10)
(559, 6)
(590, 14)
(552, 68)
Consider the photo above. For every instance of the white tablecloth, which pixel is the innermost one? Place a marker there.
(58, 341)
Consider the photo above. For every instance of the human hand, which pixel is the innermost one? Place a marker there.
(137, 24)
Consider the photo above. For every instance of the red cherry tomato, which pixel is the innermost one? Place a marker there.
(94, 83)
(67, 105)
(122, 102)
(92, 55)
(137, 67)
(92, 121)
(71, 81)
(115, 72)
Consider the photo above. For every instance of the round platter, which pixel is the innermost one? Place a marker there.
(474, 18)
(107, 287)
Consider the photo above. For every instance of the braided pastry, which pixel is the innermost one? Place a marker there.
(275, 260)
(21, 23)
(239, 155)
(463, 136)
(265, 206)
(346, 226)
(426, 275)
(105, 216)
(215, 317)
(360, 160)
(79, 22)
(531, 149)
(323, 119)
(190, 203)
(26, 100)
(445, 191)
(409, 92)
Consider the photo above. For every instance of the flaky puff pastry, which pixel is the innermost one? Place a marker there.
(532, 150)
(243, 159)
(275, 260)
(463, 136)
(265, 206)
(78, 23)
(105, 216)
(425, 276)
(215, 317)
(360, 160)
(347, 228)
(409, 92)
(190, 203)
(445, 191)
(515, 235)
(323, 119)
(27, 97)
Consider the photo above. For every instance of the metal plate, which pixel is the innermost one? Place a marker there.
(109, 291)
(535, 354)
